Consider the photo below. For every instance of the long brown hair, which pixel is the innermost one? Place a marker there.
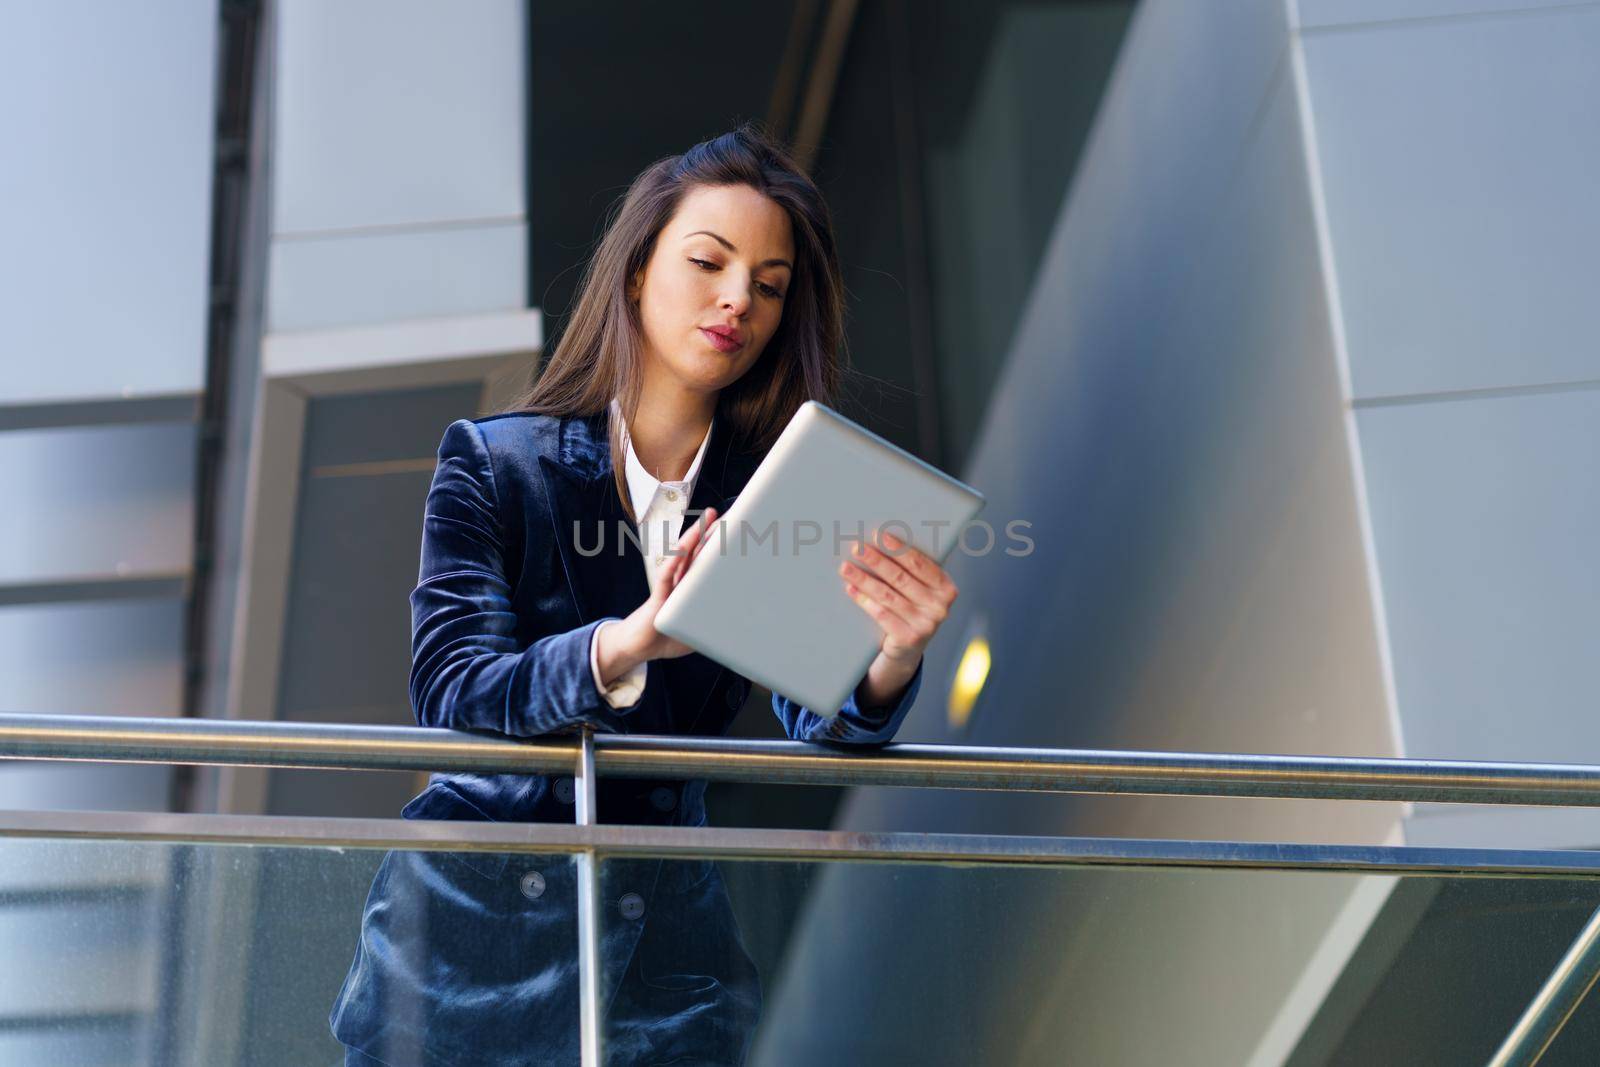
(600, 351)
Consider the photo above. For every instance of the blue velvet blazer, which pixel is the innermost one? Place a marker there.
(470, 957)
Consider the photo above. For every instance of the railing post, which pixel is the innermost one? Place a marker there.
(588, 910)
(1555, 1002)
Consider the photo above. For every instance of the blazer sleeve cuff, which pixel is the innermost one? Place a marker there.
(626, 690)
(852, 724)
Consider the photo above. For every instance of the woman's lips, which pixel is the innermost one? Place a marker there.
(721, 343)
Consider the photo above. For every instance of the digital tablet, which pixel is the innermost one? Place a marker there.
(765, 596)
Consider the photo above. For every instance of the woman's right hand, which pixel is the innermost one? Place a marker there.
(638, 630)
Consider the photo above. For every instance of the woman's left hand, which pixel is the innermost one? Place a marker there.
(904, 591)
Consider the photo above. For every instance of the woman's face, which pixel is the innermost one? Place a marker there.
(723, 263)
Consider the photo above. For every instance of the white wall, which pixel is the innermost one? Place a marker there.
(1172, 421)
(388, 142)
(107, 114)
(1458, 155)
(1303, 411)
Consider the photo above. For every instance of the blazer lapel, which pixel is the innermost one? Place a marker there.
(604, 569)
(605, 572)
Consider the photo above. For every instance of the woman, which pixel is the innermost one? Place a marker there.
(711, 310)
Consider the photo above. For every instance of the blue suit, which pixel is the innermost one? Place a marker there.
(472, 957)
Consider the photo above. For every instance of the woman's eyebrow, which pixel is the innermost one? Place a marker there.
(725, 243)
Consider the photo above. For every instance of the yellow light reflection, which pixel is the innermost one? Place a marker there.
(971, 673)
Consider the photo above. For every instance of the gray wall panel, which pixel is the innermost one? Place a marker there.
(1458, 160)
(399, 142)
(397, 112)
(97, 956)
(89, 1044)
(41, 786)
(97, 501)
(108, 658)
(105, 197)
(1486, 514)
(347, 279)
(1322, 13)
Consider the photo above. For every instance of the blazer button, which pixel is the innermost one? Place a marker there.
(565, 790)
(735, 696)
(533, 885)
(663, 799)
(631, 906)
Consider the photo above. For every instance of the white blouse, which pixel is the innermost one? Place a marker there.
(660, 507)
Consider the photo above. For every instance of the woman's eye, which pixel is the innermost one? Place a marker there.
(763, 286)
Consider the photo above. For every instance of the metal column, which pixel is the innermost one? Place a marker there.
(588, 862)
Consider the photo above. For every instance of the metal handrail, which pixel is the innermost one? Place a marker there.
(682, 843)
(587, 756)
(329, 746)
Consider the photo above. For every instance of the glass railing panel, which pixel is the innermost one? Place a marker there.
(138, 952)
(192, 951)
(932, 963)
